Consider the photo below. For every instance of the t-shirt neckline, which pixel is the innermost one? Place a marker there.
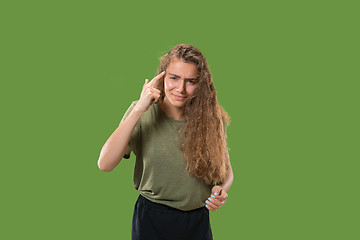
(166, 116)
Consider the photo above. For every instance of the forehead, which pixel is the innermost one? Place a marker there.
(182, 69)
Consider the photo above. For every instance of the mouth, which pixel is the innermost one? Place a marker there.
(178, 97)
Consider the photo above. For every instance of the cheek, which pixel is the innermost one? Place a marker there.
(169, 86)
(191, 89)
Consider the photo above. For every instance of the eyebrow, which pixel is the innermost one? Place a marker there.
(185, 78)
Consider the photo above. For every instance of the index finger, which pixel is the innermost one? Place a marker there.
(156, 78)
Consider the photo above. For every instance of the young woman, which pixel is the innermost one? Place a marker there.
(177, 130)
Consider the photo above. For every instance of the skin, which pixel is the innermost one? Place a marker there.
(179, 84)
(117, 144)
(149, 94)
(218, 193)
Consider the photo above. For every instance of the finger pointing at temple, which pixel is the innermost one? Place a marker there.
(156, 78)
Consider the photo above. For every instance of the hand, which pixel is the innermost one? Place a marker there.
(218, 198)
(149, 94)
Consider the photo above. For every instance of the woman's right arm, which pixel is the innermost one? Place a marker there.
(117, 145)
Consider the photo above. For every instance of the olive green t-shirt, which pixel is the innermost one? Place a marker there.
(160, 173)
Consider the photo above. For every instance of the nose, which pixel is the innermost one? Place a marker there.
(181, 87)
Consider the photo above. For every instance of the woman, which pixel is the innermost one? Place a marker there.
(177, 130)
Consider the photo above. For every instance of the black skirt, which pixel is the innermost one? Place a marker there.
(157, 221)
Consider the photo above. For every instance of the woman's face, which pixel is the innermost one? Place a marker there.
(180, 82)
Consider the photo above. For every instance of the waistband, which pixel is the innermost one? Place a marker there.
(162, 207)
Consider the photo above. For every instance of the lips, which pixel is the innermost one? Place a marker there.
(179, 97)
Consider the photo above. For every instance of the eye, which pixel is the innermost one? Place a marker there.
(191, 82)
(174, 78)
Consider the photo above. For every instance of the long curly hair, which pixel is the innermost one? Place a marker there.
(203, 140)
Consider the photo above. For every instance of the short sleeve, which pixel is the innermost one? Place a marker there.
(133, 142)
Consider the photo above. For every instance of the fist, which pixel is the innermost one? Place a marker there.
(217, 199)
(149, 94)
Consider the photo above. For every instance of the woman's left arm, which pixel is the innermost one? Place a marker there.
(218, 193)
(226, 184)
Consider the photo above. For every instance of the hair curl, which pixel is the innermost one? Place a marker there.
(205, 121)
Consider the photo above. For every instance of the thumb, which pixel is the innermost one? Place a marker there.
(216, 190)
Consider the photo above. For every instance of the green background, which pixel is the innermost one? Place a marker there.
(287, 73)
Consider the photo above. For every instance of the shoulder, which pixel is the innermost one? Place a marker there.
(151, 114)
(148, 117)
(128, 111)
(132, 105)
(152, 109)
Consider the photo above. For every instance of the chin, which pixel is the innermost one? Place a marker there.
(177, 103)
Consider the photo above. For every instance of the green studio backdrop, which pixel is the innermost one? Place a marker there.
(285, 71)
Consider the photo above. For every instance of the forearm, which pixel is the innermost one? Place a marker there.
(226, 184)
(115, 147)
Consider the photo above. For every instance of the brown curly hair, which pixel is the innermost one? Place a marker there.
(205, 121)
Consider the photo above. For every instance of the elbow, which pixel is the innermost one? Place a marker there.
(104, 168)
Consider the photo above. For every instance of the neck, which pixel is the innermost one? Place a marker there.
(171, 111)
